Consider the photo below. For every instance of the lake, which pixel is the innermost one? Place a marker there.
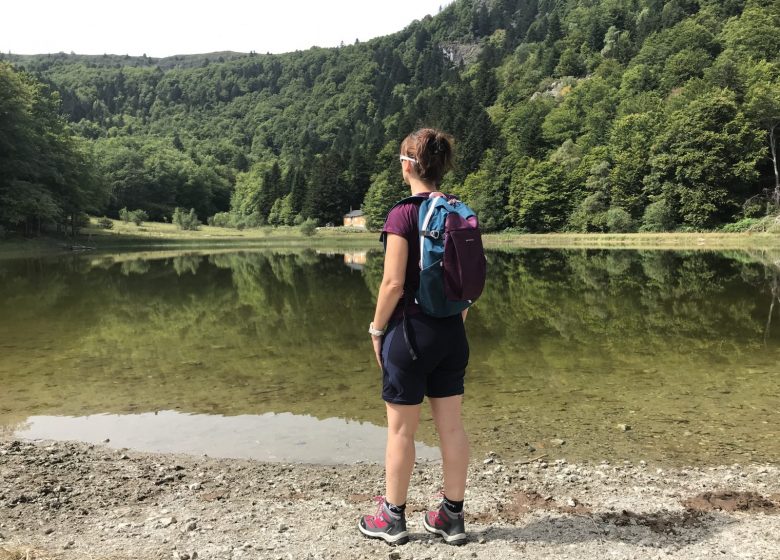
(663, 356)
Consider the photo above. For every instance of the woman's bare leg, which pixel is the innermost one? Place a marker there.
(454, 444)
(402, 422)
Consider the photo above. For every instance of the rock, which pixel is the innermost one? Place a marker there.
(165, 522)
(556, 442)
(195, 486)
(48, 531)
(624, 427)
(394, 555)
(191, 526)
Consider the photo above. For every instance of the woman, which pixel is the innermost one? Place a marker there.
(438, 369)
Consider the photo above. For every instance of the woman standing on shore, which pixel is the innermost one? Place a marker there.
(437, 370)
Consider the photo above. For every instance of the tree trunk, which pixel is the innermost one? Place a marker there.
(773, 146)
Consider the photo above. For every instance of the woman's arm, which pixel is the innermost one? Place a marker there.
(392, 288)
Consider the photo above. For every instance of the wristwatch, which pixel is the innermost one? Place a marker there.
(375, 332)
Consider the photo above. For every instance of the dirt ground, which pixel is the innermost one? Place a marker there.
(74, 500)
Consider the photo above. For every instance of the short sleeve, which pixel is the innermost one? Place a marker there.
(401, 220)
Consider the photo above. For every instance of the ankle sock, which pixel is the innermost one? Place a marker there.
(396, 510)
(453, 506)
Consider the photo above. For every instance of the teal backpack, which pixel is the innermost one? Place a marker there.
(453, 266)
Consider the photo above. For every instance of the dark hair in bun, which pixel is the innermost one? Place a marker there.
(433, 151)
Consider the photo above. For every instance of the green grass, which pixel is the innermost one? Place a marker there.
(712, 241)
(156, 235)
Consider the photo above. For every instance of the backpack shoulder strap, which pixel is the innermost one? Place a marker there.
(413, 199)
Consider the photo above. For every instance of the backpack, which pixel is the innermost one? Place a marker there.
(453, 266)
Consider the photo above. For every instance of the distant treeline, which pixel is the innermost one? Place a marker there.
(582, 115)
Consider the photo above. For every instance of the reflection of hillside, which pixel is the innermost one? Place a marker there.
(243, 333)
(563, 342)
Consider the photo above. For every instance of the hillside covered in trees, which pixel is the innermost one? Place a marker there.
(578, 115)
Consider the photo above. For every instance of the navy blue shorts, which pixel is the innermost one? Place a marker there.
(442, 356)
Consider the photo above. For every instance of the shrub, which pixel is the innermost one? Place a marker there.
(221, 219)
(309, 227)
(124, 215)
(185, 220)
(105, 223)
(254, 220)
(138, 217)
(658, 216)
(769, 224)
(590, 215)
(619, 221)
(745, 224)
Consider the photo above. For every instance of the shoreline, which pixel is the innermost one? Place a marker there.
(162, 237)
(76, 500)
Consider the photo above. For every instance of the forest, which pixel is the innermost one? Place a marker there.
(568, 115)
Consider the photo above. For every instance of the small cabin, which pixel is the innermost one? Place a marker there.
(355, 218)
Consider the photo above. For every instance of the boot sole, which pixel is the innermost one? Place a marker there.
(392, 540)
(455, 540)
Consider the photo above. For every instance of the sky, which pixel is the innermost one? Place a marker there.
(164, 28)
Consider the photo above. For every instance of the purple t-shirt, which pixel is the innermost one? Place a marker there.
(403, 220)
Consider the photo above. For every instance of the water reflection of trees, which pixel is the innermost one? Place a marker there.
(240, 329)
(221, 333)
(621, 305)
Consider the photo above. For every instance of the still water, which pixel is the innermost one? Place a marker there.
(670, 357)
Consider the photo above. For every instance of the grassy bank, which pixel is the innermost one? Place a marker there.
(155, 235)
(713, 241)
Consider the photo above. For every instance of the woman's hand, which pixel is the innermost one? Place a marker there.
(377, 342)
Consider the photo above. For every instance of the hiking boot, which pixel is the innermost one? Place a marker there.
(385, 525)
(448, 525)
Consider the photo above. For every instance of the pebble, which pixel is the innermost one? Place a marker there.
(394, 555)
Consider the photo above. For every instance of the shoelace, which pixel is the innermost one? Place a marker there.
(380, 501)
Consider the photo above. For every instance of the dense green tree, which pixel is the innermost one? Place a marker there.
(46, 175)
(535, 92)
(763, 107)
(704, 159)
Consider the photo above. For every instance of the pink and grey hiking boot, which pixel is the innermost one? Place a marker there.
(448, 525)
(385, 525)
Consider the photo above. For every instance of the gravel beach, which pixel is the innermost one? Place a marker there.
(75, 500)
